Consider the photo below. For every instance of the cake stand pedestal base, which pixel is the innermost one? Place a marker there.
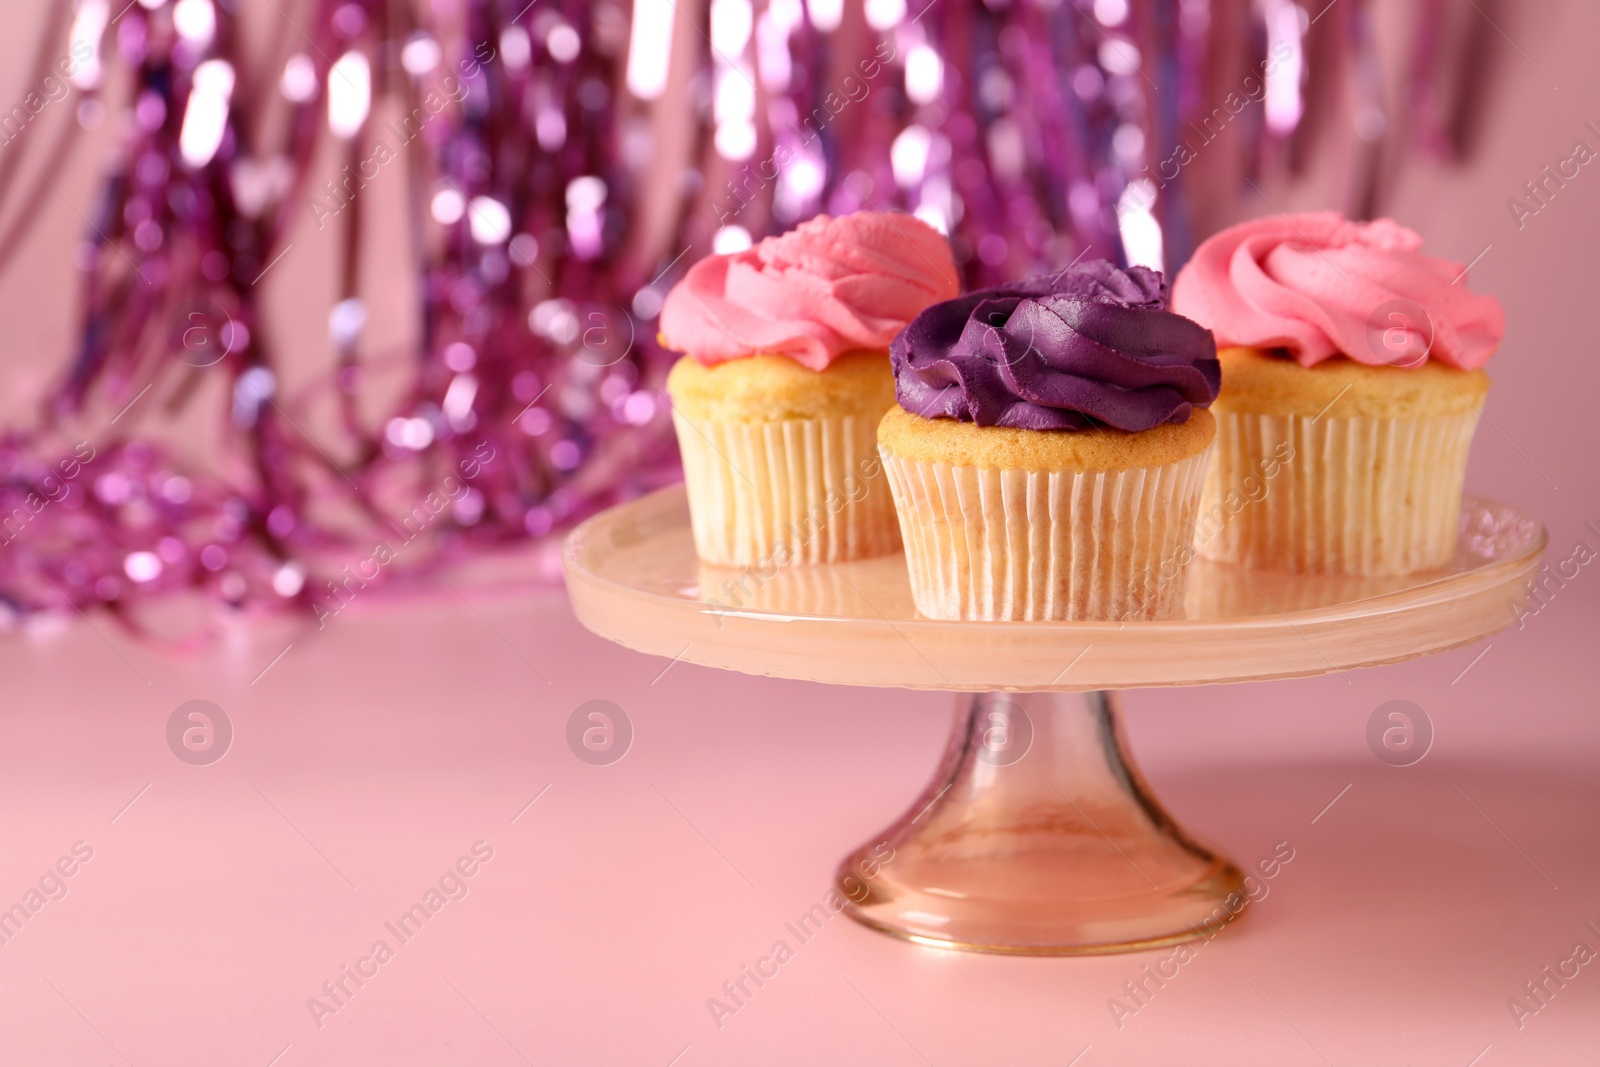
(1037, 836)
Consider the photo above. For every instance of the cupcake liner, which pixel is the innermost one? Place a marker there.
(1362, 496)
(785, 492)
(990, 544)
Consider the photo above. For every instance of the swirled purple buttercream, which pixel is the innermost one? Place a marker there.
(1091, 346)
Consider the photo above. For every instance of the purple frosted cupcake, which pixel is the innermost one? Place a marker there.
(1048, 447)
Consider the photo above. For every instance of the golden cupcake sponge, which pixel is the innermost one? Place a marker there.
(1255, 381)
(770, 388)
(966, 444)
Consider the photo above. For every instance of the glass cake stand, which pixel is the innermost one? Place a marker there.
(1037, 834)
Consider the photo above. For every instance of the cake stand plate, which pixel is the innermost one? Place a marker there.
(1037, 834)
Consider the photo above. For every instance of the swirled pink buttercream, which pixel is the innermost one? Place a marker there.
(827, 287)
(1320, 285)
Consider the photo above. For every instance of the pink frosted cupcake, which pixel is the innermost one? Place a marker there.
(1351, 385)
(777, 401)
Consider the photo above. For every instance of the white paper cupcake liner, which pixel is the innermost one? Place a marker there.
(786, 492)
(1364, 496)
(995, 544)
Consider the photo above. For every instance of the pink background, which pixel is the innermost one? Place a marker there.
(382, 748)
(375, 753)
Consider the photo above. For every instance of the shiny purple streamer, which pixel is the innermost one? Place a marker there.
(536, 347)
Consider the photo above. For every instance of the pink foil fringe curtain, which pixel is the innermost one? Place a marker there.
(550, 208)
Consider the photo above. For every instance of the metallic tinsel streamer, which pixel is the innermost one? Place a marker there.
(535, 214)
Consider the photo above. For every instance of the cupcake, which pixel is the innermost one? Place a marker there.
(786, 374)
(1351, 386)
(1048, 446)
